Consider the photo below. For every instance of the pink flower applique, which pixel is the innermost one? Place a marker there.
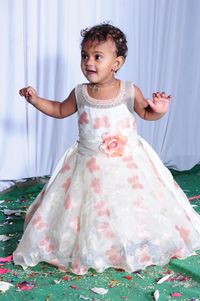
(75, 224)
(101, 122)
(65, 168)
(77, 268)
(77, 248)
(143, 255)
(104, 229)
(179, 253)
(113, 145)
(56, 263)
(128, 159)
(138, 201)
(125, 123)
(184, 233)
(96, 185)
(83, 118)
(38, 222)
(67, 184)
(134, 182)
(113, 256)
(68, 202)
(129, 162)
(102, 209)
(47, 245)
(92, 165)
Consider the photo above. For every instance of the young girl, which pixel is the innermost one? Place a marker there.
(110, 202)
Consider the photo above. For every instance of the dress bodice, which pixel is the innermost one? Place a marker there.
(111, 119)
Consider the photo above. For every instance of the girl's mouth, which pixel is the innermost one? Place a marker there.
(90, 71)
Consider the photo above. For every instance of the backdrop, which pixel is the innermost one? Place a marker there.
(40, 46)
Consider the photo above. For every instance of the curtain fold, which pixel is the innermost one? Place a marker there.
(40, 46)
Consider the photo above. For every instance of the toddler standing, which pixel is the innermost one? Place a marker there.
(110, 202)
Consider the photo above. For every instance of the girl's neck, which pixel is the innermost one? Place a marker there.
(104, 91)
(109, 84)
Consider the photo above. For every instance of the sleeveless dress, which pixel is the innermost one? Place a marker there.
(110, 202)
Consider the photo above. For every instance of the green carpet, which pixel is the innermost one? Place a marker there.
(47, 283)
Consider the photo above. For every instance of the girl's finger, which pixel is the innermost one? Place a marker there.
(21, 92)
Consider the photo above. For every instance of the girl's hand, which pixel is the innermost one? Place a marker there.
(29, 93)
(160, 102)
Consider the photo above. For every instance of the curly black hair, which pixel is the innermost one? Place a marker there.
(104, 31)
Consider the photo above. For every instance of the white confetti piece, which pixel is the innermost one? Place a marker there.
(99, 290)
(10, 212)
(156, 295)
(57, 281)
(4, 286)
(163, 279)
(4, 237)
(84, 298)
(139, 275)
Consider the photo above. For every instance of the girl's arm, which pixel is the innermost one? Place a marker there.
(54, 109)
(151, 109)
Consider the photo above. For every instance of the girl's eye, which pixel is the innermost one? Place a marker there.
(83, 56)
(98, 57)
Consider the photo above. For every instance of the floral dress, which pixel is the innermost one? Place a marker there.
(110, 202)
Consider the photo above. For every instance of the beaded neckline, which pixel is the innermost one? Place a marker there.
(103, 103)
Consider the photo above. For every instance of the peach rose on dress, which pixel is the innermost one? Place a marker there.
(113, 145)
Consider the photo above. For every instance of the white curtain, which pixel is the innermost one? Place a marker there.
(40, 46)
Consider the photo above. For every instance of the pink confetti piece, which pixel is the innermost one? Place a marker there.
(74, 287)
(15, 274)
(178, 278)
(175, 294)
(23, 200)
(128, 277)
(4, 271)
(6, 259)
(31, 274)
(194, 197)
(25, 286)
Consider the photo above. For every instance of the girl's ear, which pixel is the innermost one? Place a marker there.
(118, 63)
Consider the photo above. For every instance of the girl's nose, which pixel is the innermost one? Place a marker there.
(89, 61)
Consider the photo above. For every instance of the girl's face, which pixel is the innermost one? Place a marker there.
(99, 61)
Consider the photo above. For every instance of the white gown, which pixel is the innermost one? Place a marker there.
(110, 202)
